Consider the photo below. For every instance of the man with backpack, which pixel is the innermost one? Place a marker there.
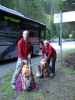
(23, 54)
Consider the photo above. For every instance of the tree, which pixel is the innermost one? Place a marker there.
(30, 8)
(40, 10)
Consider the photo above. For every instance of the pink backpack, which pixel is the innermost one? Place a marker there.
(18, 83)
(22, 85)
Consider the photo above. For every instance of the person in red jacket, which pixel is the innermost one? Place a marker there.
(50, 54)
(23, 54)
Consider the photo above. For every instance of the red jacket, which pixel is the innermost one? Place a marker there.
(49, 51)
(23, 49)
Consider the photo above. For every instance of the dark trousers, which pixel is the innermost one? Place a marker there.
(52, 67)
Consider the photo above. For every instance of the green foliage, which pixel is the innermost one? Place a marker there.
(8, 3)
(6, 89)
(51, 7)
(61, 5)
(40, 10)
(30, 8)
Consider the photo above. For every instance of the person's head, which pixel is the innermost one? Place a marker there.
(46, 43)
(25, 34)
(41, 44)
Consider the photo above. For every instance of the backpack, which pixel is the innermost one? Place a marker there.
(25, 80)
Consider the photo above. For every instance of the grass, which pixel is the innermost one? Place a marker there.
(68, 70)
(5, 88)
(74, 98)
(31, 96)
(70, 51)
(9, 94)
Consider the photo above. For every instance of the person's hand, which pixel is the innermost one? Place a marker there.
(24, 61)
(29, 56)
(45, 57)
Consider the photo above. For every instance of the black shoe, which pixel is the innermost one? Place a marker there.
(29, 89)
(41, 76)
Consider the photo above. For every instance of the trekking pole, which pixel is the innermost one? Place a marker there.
(29, 63)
